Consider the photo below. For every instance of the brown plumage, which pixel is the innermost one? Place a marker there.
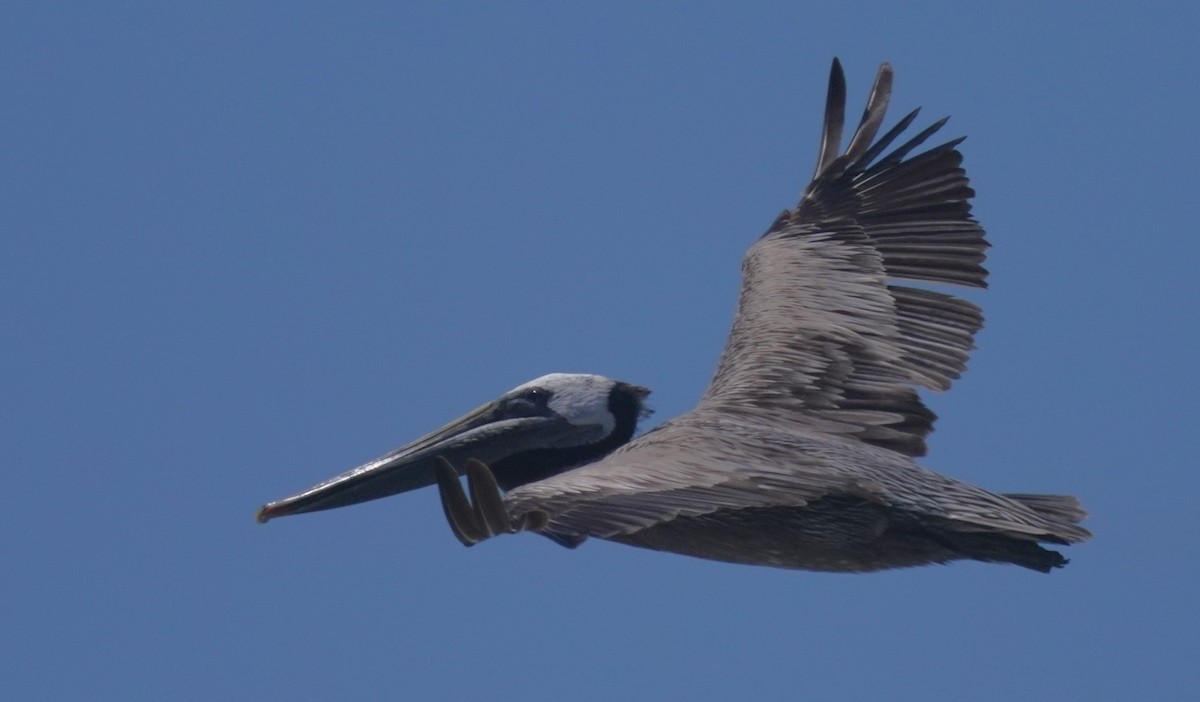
(800, 453)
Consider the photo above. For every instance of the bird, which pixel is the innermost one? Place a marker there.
(801, 453)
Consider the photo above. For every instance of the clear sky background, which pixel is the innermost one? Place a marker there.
(246, 246)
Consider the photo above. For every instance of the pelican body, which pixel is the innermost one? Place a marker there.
(801, 454)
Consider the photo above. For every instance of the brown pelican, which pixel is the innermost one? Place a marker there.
(800, 454)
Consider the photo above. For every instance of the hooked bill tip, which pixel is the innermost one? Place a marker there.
(263, 515)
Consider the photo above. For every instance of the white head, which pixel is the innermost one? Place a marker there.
(580, 398)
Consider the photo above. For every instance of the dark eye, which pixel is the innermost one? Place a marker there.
(538, 396)
(528, 403)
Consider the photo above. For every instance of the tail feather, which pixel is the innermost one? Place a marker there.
(1054, 519)
(1061, 512)
(998, 548)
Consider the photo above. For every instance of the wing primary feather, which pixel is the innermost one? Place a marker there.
(835, 119)
(877, 104)
(886, 140)
(902, 150)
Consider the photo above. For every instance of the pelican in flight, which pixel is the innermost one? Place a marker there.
(801, 452)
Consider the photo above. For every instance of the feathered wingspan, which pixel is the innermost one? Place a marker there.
(821, 339)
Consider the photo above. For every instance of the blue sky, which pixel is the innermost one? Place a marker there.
(244, 247)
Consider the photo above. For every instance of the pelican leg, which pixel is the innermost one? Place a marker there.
(485, 493)
(483, 515)
(462, 518)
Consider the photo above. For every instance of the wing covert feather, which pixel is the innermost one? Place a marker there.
(684, 469)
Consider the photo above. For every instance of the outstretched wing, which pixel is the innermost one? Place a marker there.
(822, 336)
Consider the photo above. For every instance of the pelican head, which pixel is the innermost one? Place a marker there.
(531, 432)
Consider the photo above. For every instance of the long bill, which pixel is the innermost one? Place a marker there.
(482, 434)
